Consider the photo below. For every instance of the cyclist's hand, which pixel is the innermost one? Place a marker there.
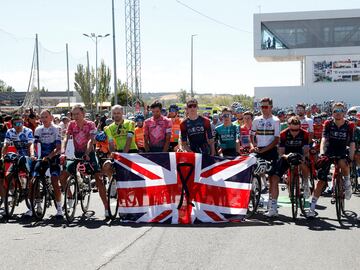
(62, 159)
(33, 158)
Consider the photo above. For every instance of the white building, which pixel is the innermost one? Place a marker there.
(327, 43)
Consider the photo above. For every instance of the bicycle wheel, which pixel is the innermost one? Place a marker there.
(11, 196)
(71, 199)
(85, 193)
(38, 198)
(293, 193)
(255, 195)
(301, 198)
(113, 200)
(339, 199)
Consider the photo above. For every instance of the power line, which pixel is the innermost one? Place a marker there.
(213, 19)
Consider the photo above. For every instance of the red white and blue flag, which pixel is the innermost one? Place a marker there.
(182, 188)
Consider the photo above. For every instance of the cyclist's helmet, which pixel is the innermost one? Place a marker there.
(239, 109)
(352, 119)
(101, 136)
(173, 108)
(139, 117)
(235, 105)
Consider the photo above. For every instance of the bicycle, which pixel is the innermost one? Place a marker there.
(41, 192)
(16, 183)
(78, 187)
(262, 167)
(296, 192)
(338, 190)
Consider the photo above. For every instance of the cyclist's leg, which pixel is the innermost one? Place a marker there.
(305, 179)
(55, 173)
(345, 170)
(99, 183)
(322, 176)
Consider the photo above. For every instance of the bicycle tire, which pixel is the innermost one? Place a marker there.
(255, 195)
(301, 198)
(338, 199)
(71, 193)
(38, 193)
(293, 194)
(113, 199)
(85, 193)
(11, 196)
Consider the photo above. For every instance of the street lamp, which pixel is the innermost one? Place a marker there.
(192, 64)
(95, 38)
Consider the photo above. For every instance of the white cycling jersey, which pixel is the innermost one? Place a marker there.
(307, 124)
(265, 130)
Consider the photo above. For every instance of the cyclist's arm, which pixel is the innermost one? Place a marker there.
(4, 149)
(64, 144)
(352, 150)
(31, 149)
(146, 137)
(323, 145)
(306, 149)
(167, 142)
(129, 139)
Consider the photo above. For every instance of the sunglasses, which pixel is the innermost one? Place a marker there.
(18, 124)
(192, 106)
(173, 110)
(338, 111)
(226, 115)
(265, 107)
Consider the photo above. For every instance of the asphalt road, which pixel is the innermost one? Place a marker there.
(260, 243)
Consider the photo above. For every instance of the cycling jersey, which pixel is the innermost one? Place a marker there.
(307, 124)
(226, 136)
(139, 137)
(283, 126)
(318, 130)
(118, 134)
(156, 131)
(3, 130)
(265, 130)
(81, 136)
(197, 132)
(238, 122)
(245, 136)
(338, 137)
(48, 138)
(175, 130)
(294, 144)
(20, 140)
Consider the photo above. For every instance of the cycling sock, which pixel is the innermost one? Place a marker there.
(269, 204)
(313, 203)
(58, 205)
(347, 181)
(274, 204)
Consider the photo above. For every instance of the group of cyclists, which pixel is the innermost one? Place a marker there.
(230, 133)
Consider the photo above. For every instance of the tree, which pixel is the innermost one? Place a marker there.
(104, 78)
(182, 95)
(5, 88)
(245, 100)
(124, 95)
(84, 84)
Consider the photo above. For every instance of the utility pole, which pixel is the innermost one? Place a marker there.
(67, 73)
(114, 55)
(192, 65)
(38, 73)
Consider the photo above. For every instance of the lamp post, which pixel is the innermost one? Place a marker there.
(95, 38)
(192, 65)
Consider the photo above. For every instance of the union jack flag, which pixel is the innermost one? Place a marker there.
(182, 188)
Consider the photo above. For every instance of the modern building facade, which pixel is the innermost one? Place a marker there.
(326, 43)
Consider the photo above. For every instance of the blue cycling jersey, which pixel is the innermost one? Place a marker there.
(20, 140)
(48, 138)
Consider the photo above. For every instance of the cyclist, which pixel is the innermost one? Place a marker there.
(157, 130)
(23, 140)
(175, 130)
(318, 127)
(227, 136)
(266, 130)
(293, 140)
(48, 136)
(196, 132)
(283, 120)
(139, 132)
(337, 135)
(245, 131)
(83, 133)
(239, 113)
(306, 123)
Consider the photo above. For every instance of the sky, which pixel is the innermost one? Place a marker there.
(223, 47)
